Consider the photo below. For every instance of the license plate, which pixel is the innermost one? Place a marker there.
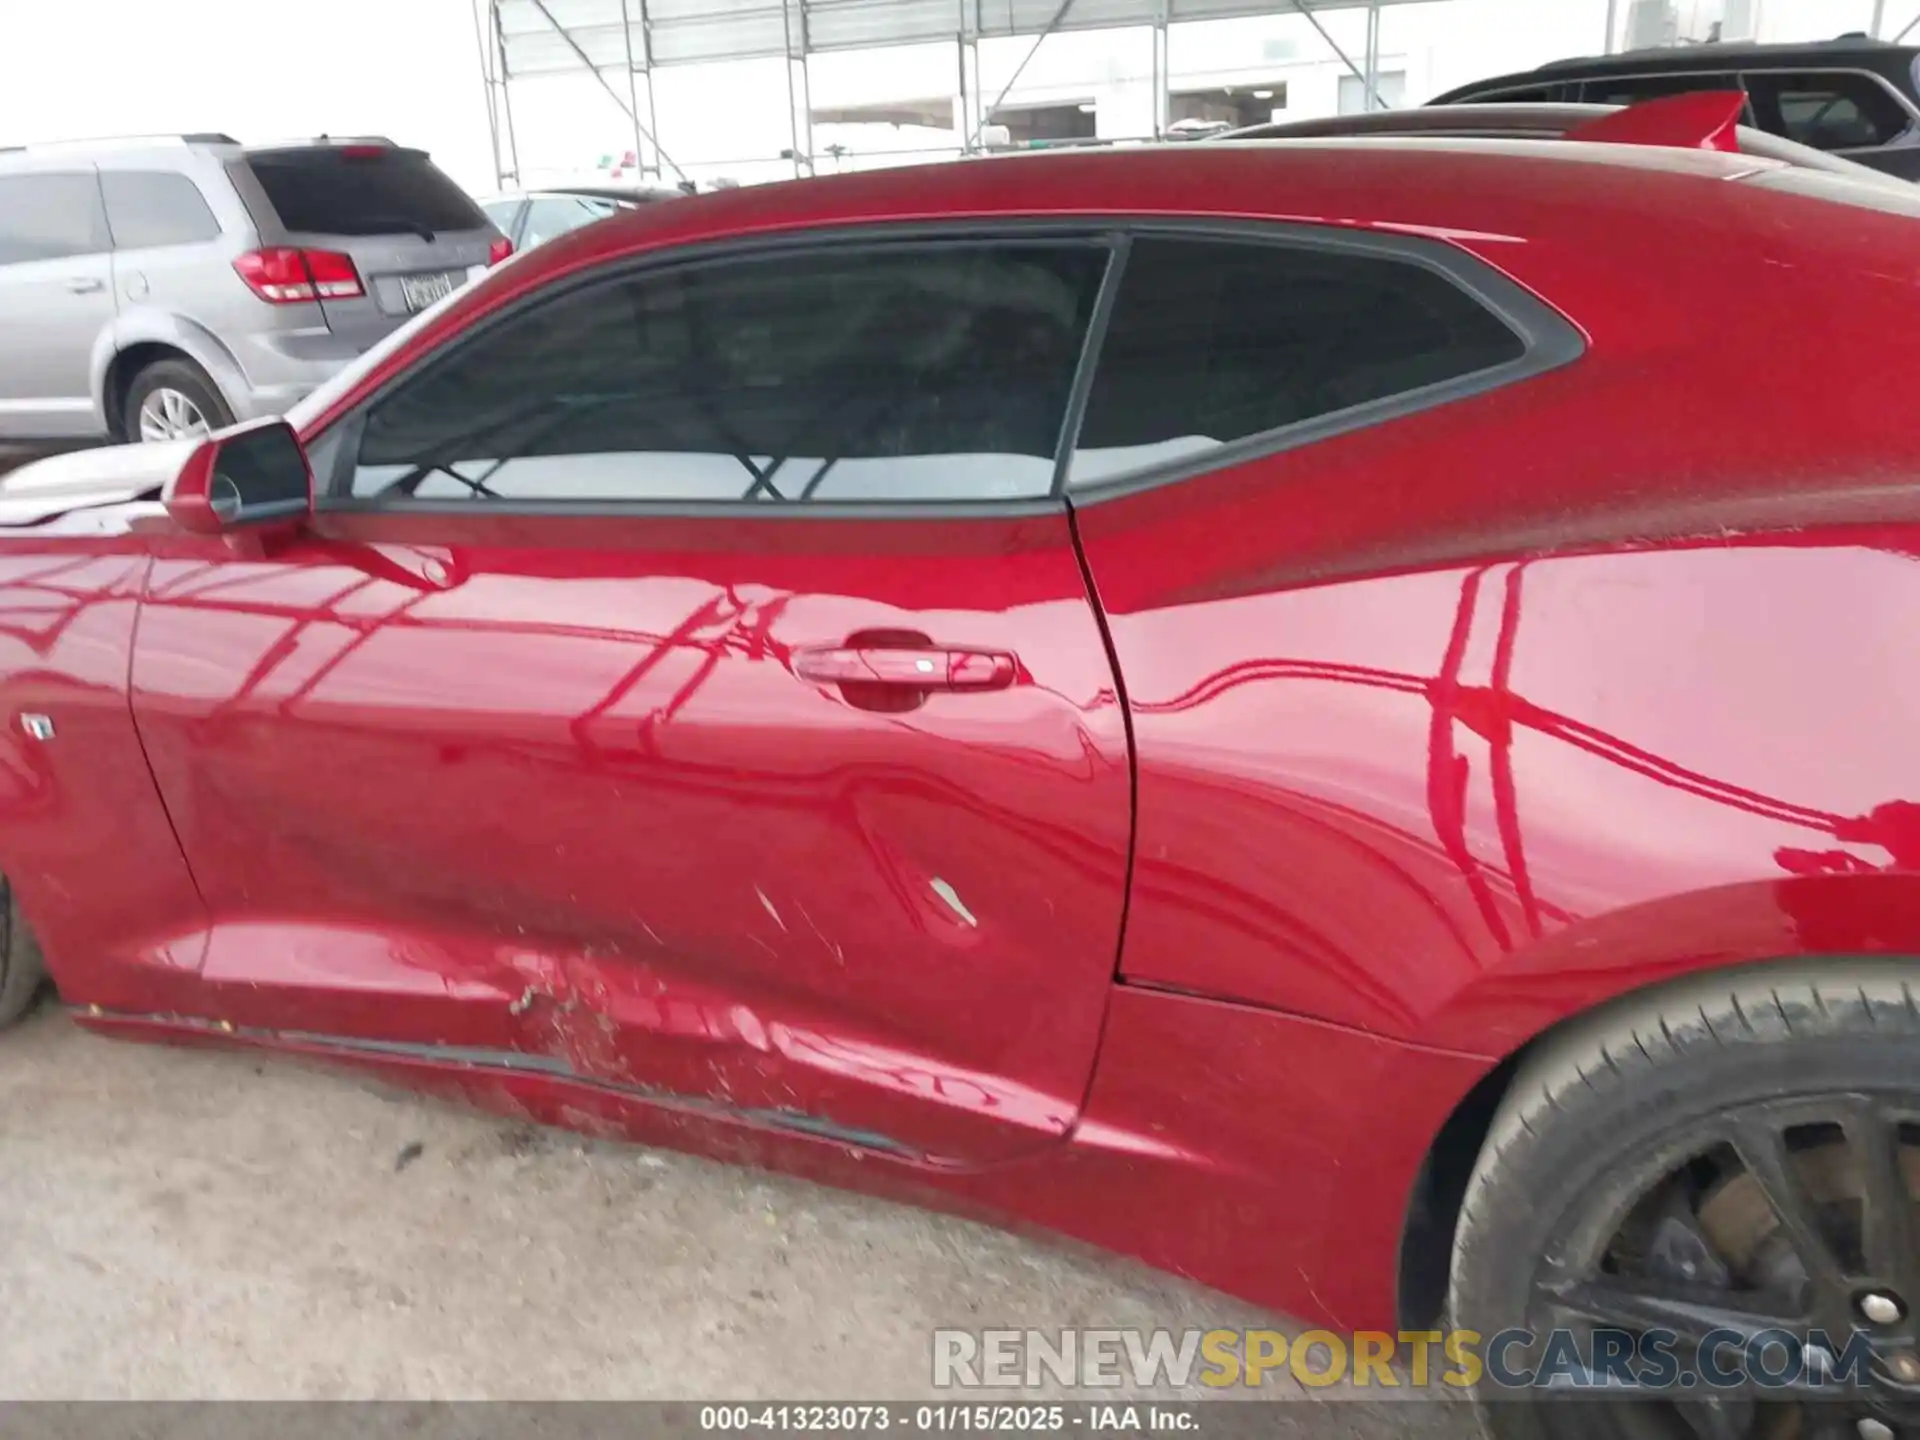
(420, 291)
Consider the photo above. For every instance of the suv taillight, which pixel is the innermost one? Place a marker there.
(284, 276)
(499, 250)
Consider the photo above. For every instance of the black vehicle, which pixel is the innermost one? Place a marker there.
(1854, 96)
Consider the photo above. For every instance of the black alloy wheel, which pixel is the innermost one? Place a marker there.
(1728, 1162)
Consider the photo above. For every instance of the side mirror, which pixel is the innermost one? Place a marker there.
(250, 475)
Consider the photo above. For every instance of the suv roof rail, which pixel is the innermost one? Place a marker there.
(201, 137)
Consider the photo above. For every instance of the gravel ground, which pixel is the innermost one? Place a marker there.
(179, 1224)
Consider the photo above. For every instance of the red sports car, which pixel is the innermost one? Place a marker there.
(1339, 717)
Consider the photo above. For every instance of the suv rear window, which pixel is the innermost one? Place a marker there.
(358, 190)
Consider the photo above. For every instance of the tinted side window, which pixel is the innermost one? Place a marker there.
(50, 217)
(150, 207)
(1834, 111)
(1213, 341)
(899, 374)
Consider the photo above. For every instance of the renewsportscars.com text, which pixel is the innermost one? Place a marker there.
(1600, 1359)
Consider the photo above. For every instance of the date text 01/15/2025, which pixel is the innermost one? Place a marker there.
(948, 1418)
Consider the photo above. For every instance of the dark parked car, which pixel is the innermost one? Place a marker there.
(1336, 716)
(1532, 122)
(1853, 96)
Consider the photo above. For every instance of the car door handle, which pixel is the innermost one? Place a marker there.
(907, 668)
(85, 285)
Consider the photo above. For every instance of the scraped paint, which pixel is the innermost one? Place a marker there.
(947, 893)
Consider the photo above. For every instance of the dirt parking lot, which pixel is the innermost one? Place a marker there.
(185, 1224)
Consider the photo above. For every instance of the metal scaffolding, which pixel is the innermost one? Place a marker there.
(622, 42)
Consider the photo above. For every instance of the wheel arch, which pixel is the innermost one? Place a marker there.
(1575, 976)
(1432, 1210)
(143, 337)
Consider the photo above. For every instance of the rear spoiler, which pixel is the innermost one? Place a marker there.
(1700, 120)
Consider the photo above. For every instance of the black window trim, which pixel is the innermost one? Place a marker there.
(1548, 338)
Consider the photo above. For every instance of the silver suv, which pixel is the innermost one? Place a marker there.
(162, 287)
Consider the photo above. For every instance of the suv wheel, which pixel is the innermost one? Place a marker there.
(173, 400)
(1727, 1157)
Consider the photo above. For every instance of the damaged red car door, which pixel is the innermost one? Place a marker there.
(688, 682)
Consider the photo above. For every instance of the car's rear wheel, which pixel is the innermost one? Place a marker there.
(21, 970)
(1736, 1153)
(173, 400)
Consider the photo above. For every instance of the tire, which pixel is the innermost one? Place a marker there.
(22, 971)
(180, 378)
(1612, 1141)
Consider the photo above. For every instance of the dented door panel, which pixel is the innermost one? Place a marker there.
(555, 787)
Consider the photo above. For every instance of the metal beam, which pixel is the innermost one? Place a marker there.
(506, 101)
(653, 113)
(633, 94)
(1612, 6)
(612, 94)
(1162, 73)
(806, 101)
(1018, 70)
(486, 84)
(1373, 58)
(960, 68)
(1372, 92)
(793, 114)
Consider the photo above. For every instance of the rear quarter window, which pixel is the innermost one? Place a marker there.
(150, 208)
(356, 190)
(51, 216)
(1213, 342)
